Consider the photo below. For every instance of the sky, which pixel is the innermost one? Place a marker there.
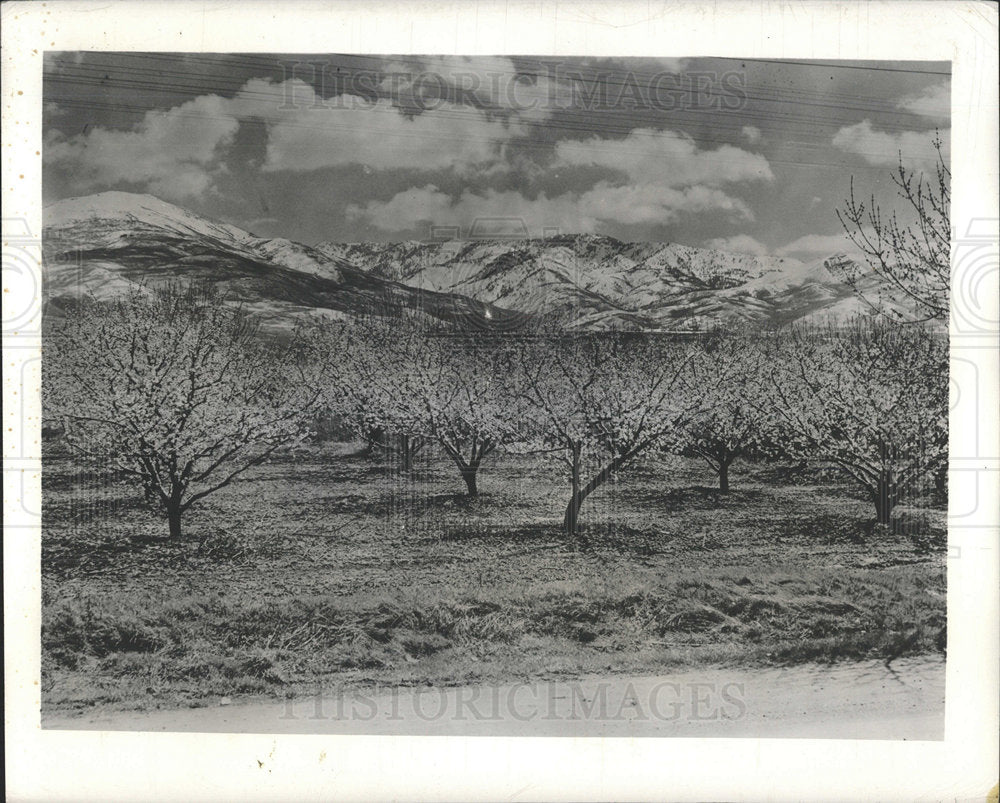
(746, 155)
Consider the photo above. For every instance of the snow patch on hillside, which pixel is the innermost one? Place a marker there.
(126, 206)
(596, 281)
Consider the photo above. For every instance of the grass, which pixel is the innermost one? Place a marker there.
(329, 568)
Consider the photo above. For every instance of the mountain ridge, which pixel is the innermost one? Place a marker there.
(602, 282)
(103, 243)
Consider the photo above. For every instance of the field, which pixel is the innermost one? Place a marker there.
(329, 568)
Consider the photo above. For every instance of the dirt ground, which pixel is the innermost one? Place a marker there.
(863, 700)
(347, 574)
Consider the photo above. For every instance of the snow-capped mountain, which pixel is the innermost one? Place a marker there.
(102, 244)
(600, 282)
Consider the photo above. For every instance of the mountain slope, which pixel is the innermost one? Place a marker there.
(599, 282)
(101, 244)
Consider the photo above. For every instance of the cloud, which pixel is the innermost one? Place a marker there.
(751, 134)
(739, 244)
(571, 212)
(535, 98)
(177, 153)
(884, 148)
(312, 133)
(673, 65)
(668, 158)
(171, 152)
(490, 83)
(665, 175)
(933, 102)
(820, 245)
(655, 203)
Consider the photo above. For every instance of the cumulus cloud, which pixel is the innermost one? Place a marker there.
(673, 65)
(307, 132)
(739, 244)
(669, 158)
(378, 135)
(885, 148)
(490, 83)
(531, 94)
(751, 134)
(175, 153)
(576, 212)
(535, 98)
(426, 205)
(171, 152)
(819, 245)
(933, 102)
(665, 175)
(656, 203)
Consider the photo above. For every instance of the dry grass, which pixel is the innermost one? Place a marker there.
(329, 567)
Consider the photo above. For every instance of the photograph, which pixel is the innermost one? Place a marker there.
(503, 400)
(495, 395)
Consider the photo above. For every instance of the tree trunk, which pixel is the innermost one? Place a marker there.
(941, 480)
(720, 458)
(576, 497)
(572, 514)
(174, 520)
(883, 511)
(884, 496)
(406, 453)
(469, 470)
(469, 475)
(724, 477)
(581, 493)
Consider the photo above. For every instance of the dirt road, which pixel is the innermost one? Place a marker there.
(863, 700)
